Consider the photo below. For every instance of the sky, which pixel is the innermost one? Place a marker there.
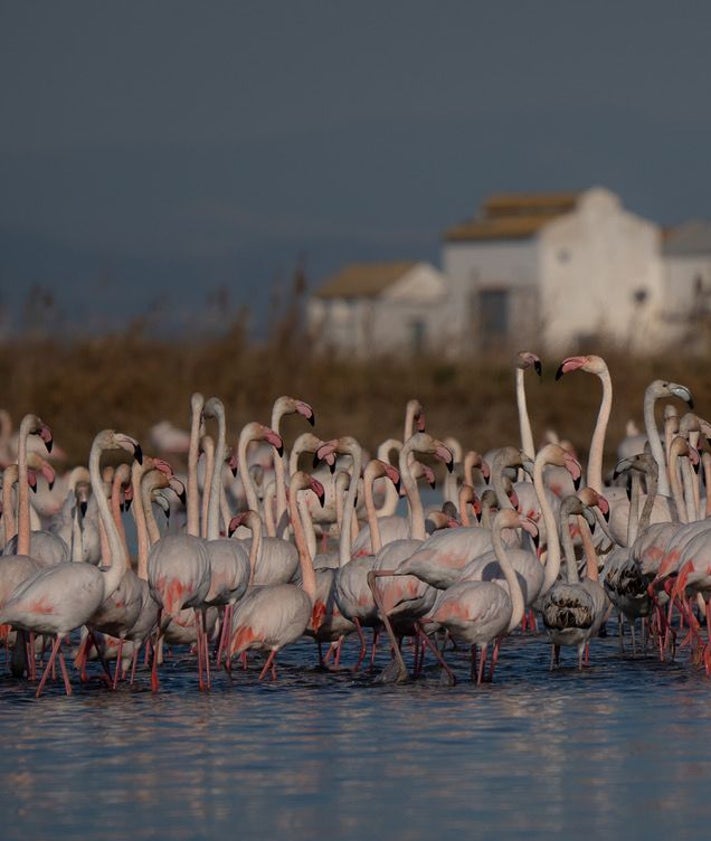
(154, 152)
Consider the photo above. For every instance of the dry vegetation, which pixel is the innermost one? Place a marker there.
(130, 382)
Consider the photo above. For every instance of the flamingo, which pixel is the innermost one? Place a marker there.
(272, 616)
(63, 597)
(572, 610)
(626, 585)
(279, 559)
(479, 612)
(353, 592)
(230, 567)
(178, 565)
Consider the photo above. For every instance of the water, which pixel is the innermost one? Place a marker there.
(617, 750)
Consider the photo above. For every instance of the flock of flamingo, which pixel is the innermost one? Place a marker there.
(262, 547)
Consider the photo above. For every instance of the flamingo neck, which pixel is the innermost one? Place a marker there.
(553, 543)
(345, 540)
(308, 576)
(597, 442)
(23, 490)
(139, 518)
(280, 462)
(524, 420)
(116, 553)
(655, 443)
(376, 542)
(193, 490)
(416, 512)
(516, 594)
(213, 512)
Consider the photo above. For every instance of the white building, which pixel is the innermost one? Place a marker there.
(370, 309)
(556, 272)
(687, 269)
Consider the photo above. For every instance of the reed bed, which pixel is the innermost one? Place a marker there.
(131, 380)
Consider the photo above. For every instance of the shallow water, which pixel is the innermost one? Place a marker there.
(620, 748)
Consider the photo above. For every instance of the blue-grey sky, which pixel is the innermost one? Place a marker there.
(162, 149)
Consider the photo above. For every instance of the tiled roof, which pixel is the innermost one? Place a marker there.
(512, 216)
(363, 280)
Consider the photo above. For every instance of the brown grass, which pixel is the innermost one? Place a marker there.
(130, 381)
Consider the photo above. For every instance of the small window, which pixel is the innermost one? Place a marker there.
(493, 313)
(418, 334)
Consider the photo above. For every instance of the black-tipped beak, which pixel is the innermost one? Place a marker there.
(578, 482)
(312, 419)
(50, 485)
(538, 368)
(691, 402)
(559, 373)
(138, 453)
(48, 443)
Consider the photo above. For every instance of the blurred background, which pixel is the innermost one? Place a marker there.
(178, 179)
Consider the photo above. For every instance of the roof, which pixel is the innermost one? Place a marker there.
(690, 238)
(513, 216)
(364, 280)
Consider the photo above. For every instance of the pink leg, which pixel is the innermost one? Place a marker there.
(49, 666)
(65, 675)
(437, 653)
(269, 665)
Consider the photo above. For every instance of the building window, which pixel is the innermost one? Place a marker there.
(418, 333)
(493, 313)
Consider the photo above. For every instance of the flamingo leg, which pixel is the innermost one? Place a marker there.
(401, 674)
(269, 665)
(49, 666)
(437, 653)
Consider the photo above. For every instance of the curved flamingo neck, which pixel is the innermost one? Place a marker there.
(121, 477)
(118, 561)
(250, 491)
(416, 512)
(597, 442)
(308, 576)
(571, 562)
(515, 592)
(372, 472)
(552, 567)
(344, 540)
(280, 462)
(655, 441)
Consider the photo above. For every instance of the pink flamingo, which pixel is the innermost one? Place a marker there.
(61, 598)
(479, 612)
(272, 616)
